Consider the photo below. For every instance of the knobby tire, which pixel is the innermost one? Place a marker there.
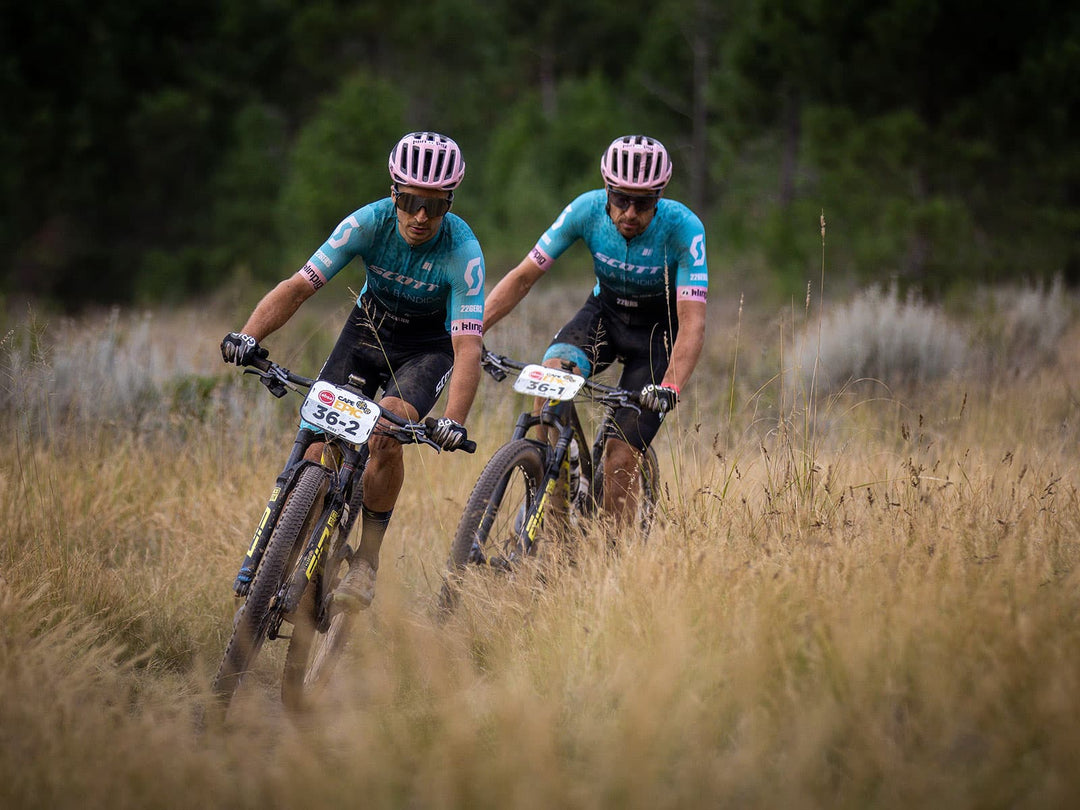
(508, 487)
(313, 652)
(253, 618)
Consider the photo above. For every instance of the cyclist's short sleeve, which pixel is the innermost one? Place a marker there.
(688, 244)
(351, 238)
(564, 231)
(465, 309)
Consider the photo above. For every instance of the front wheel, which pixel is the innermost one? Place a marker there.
(318, 639)
(648, 484)
(253, 618)
(505, 493)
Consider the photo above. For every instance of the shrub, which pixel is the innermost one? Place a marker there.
(1020, 328)
(880, 335)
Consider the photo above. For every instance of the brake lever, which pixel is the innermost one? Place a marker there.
(274, 384)
(620, 402)
(492, 363)
(497, 373)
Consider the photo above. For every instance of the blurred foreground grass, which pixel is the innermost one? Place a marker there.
(863, 596)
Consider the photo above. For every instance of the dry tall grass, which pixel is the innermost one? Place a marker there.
(873, 604)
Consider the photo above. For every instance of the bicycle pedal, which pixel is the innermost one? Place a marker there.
(500, 563)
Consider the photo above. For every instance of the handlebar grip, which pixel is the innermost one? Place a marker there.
(467, 446)
(261, 361)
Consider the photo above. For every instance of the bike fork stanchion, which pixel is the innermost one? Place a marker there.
(282, 486)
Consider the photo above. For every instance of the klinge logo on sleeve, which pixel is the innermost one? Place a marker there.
(467, 328)
(312, 274)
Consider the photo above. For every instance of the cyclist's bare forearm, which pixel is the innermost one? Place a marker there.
(277, 306)
(688, 344)
(465, 378)
(510, 290)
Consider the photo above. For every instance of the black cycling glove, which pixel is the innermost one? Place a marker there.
(241, 349)
(448, 434)
(659, 398)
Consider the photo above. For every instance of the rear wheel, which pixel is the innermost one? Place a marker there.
(253, 618)
(505, 492)
(648, 483)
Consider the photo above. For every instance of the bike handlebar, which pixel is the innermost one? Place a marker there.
(499, 365)
(267, 368)
(275, 377)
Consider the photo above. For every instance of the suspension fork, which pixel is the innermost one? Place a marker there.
(564, 417)
(282, 486)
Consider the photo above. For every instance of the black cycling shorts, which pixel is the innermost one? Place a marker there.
(413, 367)
(644, 351)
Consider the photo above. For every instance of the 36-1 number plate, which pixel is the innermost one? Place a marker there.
(550, 383)
(340, 413)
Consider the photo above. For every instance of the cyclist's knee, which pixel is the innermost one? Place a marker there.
(399, 407)
(621, 455)
(560, 353)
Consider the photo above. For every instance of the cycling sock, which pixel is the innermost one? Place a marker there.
(372, 528)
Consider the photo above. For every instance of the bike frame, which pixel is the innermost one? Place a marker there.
(562, 416)
(353, 460)
(333, 503)
(314, 546)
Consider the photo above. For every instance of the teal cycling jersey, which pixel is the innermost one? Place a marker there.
(666, 261)
(438, 281)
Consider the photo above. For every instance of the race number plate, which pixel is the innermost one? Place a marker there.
(340, 413)
(548, 382)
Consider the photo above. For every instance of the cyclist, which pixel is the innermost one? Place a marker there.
(416, 324)
(647, 308)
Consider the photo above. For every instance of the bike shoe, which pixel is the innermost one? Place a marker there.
(357, 589)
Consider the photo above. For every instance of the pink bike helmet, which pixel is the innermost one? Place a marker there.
(428, 160)
(636, 163)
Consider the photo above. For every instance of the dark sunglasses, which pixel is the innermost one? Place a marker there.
(412, 203)
(641, 203)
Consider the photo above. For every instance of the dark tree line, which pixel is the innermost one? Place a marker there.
(151, 149)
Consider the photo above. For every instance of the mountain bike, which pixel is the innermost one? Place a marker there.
(530, 479)
(300, 550)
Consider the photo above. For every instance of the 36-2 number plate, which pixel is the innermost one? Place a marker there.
(339, 412)
(550, 383)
